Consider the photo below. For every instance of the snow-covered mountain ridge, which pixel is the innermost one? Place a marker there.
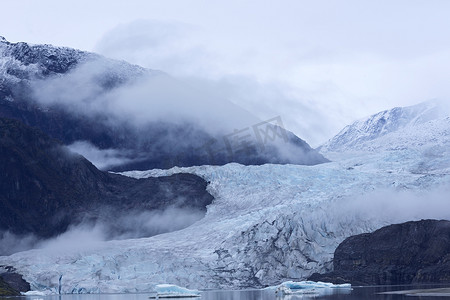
(267, 224)
(24, 61)
(400, 127)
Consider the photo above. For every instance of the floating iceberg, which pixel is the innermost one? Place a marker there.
(174, 291)
(312, 284)
(35, 293)
(306, 287)
(284, 290)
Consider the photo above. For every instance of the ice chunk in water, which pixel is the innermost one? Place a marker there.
(174, 291)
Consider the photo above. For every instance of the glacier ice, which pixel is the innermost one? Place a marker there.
(268, 223)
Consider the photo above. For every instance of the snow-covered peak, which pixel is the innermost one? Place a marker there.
(49, 59)
(23, 62)
(397, 128)
(23, 65)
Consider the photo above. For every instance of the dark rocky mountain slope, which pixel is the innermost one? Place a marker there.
(11, 283)
(412, 252)
(7, 290)
(45, 188)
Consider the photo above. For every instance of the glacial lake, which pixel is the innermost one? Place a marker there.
(357, 293)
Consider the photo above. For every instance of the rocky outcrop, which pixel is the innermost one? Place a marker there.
(12, 283)
(45, 188)
(7, 290)
(412, 252)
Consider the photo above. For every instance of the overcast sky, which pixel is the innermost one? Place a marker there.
(318, 64)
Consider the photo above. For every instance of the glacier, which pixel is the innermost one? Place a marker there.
(267, 224)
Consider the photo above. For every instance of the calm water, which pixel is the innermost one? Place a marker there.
(358, 293)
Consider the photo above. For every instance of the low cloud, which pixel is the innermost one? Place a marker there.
(391, 206)
(95, 88)
(90, 235)
(77, 238)
(11, 243)
(103, 159)
(379, 208)
(318, 79)
(144, 224)
(158, 115)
